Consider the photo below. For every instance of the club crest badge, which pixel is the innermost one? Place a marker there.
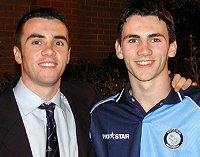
(173, 138)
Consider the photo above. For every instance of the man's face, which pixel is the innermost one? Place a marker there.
(44, 52)
(145, 47)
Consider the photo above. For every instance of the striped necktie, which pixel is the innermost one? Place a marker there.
(52, 149)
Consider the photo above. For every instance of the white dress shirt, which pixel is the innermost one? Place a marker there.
(34, 120)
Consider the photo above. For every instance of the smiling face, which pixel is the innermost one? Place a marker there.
(44, 52)
(145, 47)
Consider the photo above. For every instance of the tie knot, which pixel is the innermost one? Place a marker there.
(49, 109)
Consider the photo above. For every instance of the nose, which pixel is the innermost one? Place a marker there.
(144, 49)
(48, 50)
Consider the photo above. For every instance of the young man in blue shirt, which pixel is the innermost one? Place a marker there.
(148, 117)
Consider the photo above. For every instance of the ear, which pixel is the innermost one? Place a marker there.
(17, 54)
(172, 49)
(68, 55)
(118, 49)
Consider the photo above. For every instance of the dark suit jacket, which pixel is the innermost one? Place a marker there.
(13, 137)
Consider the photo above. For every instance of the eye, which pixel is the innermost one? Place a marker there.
(59, 43)
(154, 40)
(133, 40)
(36, 42)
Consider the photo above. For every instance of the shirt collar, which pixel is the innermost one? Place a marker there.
(172, 98)
(29, 101)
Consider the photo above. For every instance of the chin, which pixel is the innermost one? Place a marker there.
(145, 78)
(50, 80)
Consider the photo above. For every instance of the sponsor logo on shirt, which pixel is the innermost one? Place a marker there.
(115, 136)
(173, 138)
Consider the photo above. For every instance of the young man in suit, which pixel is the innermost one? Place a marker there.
(43, 50)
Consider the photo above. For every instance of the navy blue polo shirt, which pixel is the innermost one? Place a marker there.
(121, 128)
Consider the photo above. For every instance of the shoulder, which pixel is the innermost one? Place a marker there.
(7, 93)
(193, 92)
(105, 103)
(77, 85)
(80, 91)
(8, 104)
(8, 89)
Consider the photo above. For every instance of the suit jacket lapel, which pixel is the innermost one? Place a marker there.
(73, 104)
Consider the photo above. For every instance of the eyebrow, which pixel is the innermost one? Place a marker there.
(131, 36)
(149, 36)
(35, 36)
(156, 35)
(42, 36)
(61, 37)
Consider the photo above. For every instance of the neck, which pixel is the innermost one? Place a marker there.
(149, 93)
(46, 92)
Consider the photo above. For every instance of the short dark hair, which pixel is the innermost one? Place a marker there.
(144, 8)
(47, 13)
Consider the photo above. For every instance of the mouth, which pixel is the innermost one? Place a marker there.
(47, 64)
(148, 62)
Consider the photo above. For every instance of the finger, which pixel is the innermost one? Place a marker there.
(175, 80)
(182, 84)
(187, 84)
(194, 84)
